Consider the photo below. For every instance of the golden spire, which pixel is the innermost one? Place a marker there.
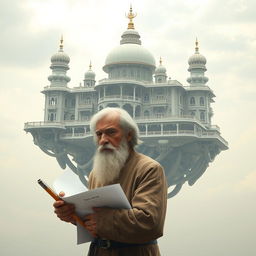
(61, 43)
(197, 48)
(131, 16)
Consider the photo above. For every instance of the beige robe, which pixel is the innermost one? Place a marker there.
(144, 184)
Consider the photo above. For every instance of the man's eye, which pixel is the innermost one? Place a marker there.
(98, 134)
(111, 132)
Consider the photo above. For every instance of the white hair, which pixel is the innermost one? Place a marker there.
(126, 123)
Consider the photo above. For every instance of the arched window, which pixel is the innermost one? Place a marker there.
(52, 117)
(146, 98)
(53, 101)
(88, 100)
(129, 109)
(192, 101)
(73, 102)
(138, 111)
(201, 101)
(193, 113)
(146, 114)
(202, 116)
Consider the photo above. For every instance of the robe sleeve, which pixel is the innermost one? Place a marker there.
(145, 221)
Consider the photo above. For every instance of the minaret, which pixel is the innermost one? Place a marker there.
(197, 68)
(199, 95)
(89, 77)
(55, 94)
(59, 67)
(160, 73)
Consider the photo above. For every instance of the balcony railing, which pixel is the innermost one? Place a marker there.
(165, 118)
(75, 135)
(119, 97)
(41, 124)
(199, 132)
(159, 101)
(84, 105)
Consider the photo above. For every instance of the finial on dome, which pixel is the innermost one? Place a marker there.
(90, 66)
(197, 48)
(131, 16)
(160, 61)
(61, 43)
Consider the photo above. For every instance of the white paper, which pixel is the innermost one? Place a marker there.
(111, 196)
(70, 183)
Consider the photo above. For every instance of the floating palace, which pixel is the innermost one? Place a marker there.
(174, 119)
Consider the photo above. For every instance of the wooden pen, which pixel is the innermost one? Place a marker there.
(57, 198)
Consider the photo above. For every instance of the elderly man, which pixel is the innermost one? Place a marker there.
(123, 231)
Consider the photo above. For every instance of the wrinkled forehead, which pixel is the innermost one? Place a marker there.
(111, 119)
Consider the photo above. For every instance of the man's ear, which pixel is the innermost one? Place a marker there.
(129, 136)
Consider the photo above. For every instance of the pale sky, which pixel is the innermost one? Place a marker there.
(216, 216)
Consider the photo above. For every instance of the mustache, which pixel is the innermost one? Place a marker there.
(106, 146)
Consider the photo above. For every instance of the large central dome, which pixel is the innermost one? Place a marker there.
(129, 54)
(130, 50)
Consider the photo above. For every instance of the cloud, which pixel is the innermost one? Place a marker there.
(231, 11)
(21, 46)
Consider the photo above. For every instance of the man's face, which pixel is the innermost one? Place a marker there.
(108, 131)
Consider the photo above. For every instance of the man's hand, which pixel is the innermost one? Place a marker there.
(91, 222)
(64, 211)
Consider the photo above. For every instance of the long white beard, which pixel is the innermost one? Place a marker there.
(108, 164)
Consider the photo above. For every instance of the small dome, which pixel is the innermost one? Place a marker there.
(129, 54)
(160, 69)
(60, 57)
(89, 74)
(197, 58)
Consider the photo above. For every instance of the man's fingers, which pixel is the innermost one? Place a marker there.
(65, 209)
(62, 193)
(58, 204)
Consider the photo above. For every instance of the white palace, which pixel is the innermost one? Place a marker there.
(174, 119)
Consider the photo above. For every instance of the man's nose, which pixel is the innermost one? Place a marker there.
(103, 139)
